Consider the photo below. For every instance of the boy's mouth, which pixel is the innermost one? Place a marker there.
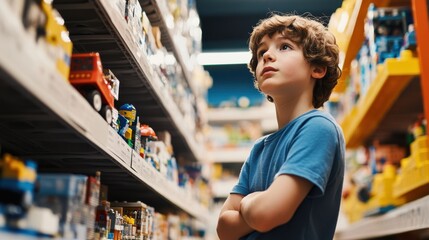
(268, 70)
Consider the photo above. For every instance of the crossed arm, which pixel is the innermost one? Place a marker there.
(262, 211)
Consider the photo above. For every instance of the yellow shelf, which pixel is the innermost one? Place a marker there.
(350, 35)
(393, 76)
(413, 184)
(413, 181)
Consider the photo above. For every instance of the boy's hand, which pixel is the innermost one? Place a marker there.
(231, 224)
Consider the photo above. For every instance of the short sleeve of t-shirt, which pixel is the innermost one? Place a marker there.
(312, 152)
(242, 187)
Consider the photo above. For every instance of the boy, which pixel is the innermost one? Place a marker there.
(290, 186)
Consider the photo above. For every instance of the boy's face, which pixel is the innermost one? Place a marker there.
(282, 69)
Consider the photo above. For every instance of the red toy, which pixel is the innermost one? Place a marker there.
(86, 75)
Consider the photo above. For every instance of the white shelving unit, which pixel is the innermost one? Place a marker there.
(112, 37)
(160, 16)
(123, 32)
(232, 155)
(222, 188)
(265, 115)
(242, 114)
(45, 118)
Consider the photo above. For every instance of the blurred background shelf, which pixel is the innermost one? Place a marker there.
(216, 115)
(392, 78)
(264, 115)
(222, 188)
(410, 217)
(229, 155)
(349, 32)
(159, 15)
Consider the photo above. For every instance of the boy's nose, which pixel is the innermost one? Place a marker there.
(268, 56)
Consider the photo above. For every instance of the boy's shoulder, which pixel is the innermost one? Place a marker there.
(261, 140)
(314, 119)
(319, 116)
(319, 121)
(322, 121)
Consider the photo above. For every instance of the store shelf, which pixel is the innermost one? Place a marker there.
(216, 115)
(20, 236)
(229, 155)
(222, 187)
(159, 15)
(393, 102)
(97, 25)
(409, 217)
(392, 77)
(266, 115)
(351, 38)
(44, 118)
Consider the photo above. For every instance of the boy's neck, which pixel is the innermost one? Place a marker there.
(287, 111)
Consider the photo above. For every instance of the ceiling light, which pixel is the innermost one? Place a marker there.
(223, 58)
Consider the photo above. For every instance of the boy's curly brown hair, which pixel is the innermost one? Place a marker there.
(318, 45)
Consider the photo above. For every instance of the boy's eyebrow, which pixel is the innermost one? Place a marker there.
(288, 39)
(281, 37)
(263, 42)
(259, 45)
(275, 39)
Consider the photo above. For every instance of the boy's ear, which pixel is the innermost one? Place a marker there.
(318, 72)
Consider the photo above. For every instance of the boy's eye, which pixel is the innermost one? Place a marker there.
(261, 53)
(285, 47)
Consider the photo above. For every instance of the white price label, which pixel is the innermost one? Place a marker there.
(135, 161)
(112, 140)
(145, 169)
(125, 153)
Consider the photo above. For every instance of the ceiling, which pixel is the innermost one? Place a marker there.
(226, 26)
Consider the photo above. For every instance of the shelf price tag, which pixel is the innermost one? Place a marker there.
(125, 152)
(148, 173)
(113, 140)
(136, 162)
(145, 169)
(119, 147)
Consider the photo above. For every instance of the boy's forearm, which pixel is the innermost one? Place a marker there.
(253, 213)
(231, 225)
(245, 208)
(275, 206)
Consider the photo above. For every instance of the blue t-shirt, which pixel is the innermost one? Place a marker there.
(312, 147)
